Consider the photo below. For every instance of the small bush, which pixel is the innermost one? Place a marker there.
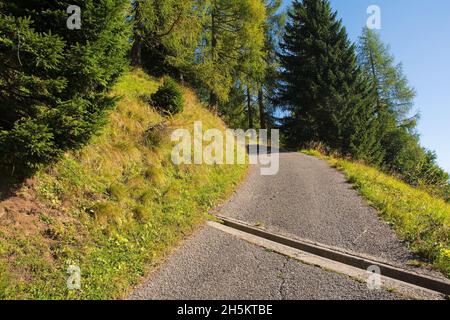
(169, 97)
(26, 146)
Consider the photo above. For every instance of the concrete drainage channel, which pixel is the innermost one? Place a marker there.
(405, 282)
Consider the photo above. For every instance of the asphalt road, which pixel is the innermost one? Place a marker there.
(215, 265)
(306, 199)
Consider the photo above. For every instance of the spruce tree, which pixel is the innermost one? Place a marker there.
(321, 85)
(54, 81)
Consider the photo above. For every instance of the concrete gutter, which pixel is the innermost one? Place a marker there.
(423, 281)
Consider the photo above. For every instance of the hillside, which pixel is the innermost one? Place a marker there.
(114, 208)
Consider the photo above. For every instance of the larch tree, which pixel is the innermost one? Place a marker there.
(395, 101)
(166, 34)
(231, 45)
(394, 94)
(266, 87)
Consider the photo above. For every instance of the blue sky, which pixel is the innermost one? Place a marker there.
(419, 35)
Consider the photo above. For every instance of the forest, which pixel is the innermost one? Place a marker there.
(254, 64)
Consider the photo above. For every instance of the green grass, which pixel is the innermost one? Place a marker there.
(114, 208)
(422, 220)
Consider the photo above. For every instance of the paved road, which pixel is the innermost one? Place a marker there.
(215, 265)
(307, 199)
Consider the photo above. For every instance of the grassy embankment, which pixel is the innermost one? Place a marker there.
(115, 208)
(419, 218)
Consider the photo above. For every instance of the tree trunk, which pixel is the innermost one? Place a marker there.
(262, 112)
(136, 49)
(136, 52)
(213, 100)
(375, 80)
(249, 109)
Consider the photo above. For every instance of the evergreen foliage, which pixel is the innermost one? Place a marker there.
(54, 81)
(322, 89)
(355, 100)
(403, 153)
(169, 98)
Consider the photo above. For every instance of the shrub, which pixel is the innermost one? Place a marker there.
(169, 98)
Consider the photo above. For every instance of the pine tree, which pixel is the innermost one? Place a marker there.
(321, 85)
(53, 81)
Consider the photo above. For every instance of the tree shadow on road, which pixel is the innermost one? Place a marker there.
(256, 149)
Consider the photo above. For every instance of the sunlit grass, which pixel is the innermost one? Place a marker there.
(418, 217)
(123, 204)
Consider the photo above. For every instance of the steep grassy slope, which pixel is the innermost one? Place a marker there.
(113, 209)
(419, 218)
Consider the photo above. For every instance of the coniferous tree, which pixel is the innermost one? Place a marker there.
(233, 110)
(321, 89)
(394, 94)
(212, 43)
(267, 86)
(53, 81)
(231, 46)
(166, 34)
(395, 99)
